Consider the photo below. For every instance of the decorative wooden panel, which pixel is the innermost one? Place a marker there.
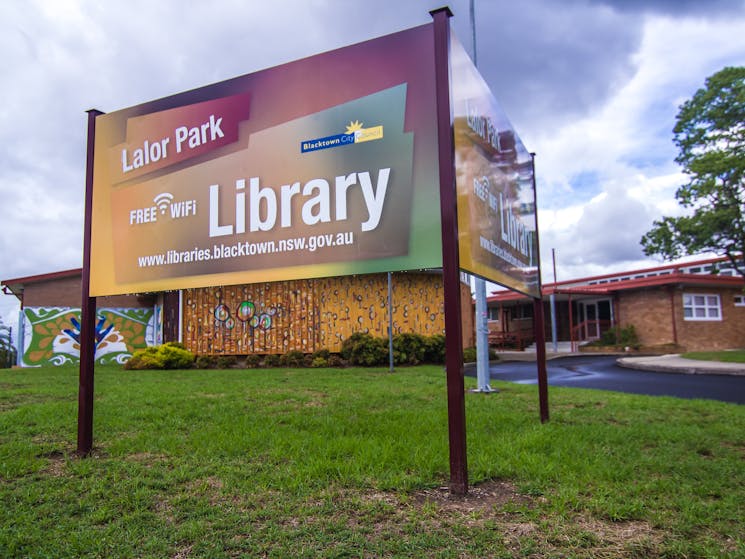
(307, 315)
(253, 318)
(360, 304)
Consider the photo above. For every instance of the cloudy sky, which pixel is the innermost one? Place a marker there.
(592, 86)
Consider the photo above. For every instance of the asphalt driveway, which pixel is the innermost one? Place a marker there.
(602, 373)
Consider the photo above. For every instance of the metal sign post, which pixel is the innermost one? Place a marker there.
(390, 322)
(88, 309)
(539, 332)
(450, 268)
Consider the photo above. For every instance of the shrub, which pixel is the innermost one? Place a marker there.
(176, 356)
(469, 355)
(318, 362)
(205, 362)
(619, 336)
(292, 358)
(434, 349)
(271, 360)
(409, 348)
(147, 358)
(252, 361)
(226, 361)
(335, 360)
(628, 336)
(324, 353)
(295, 358)
(363, 349)
(324, 358)
(167, 356)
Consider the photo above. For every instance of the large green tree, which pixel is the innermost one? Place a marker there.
(710, 134)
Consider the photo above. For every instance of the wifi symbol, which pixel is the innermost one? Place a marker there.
(162, 201)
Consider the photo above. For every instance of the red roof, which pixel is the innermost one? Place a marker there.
(16, 286)
(671, 267)
(675, 277)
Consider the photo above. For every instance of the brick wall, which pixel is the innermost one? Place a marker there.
(729, 333)
(652, 312)
(66, 292)
(649, 311)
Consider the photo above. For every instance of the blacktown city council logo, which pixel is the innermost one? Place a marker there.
(355, 134)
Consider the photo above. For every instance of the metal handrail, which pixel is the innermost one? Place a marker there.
(579, 329)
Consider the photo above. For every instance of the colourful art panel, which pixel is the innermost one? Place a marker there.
(322, 167)
(308, 315)
(257, 318)
(51, 336)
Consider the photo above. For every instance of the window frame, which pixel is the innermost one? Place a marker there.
(706, 306)
(521, 311)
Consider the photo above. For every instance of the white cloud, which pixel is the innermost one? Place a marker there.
(627, 148)
(593, 87)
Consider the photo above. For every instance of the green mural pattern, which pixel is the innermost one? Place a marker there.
(51, 336)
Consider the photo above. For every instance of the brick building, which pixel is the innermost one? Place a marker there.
(682, 307)
(265, 318)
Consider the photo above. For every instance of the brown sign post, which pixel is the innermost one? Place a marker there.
(88, 309)
(539, 332)
(450, 267)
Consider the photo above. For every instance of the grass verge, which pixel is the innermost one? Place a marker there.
(730, 356)
(352, 463)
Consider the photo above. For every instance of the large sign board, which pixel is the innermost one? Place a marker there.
(494, 175)
(325, 166)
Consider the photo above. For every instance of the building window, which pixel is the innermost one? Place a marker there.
(522, 312)
(493, 313)
(740, 300)
(701, 307)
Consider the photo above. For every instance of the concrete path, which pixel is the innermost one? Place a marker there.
(674, 363)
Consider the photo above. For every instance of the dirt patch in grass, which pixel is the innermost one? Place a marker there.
(599, 538)
(209, 487)
(490, 505)
(17, 400)
(737, 447)
(485, 496)
(148, 458)
(164, 509)
(57, 463)
(184, 552)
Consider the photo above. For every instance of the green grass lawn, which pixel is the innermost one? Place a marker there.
(731, 356)
(352, 463)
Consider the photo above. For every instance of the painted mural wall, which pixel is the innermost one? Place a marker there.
(51, 335)
(307, 315)
(254, 318)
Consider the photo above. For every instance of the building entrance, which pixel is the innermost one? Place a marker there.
(595, 317)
